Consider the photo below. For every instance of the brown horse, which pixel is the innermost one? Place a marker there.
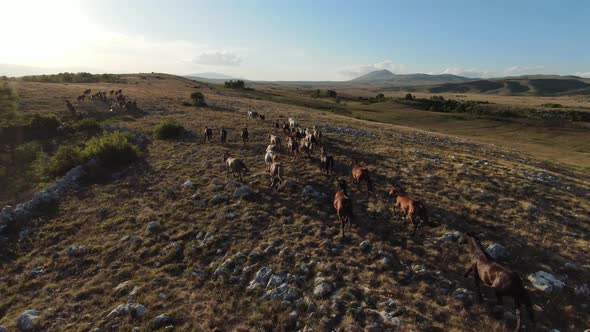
(359, 175)
(411, 209)
(343, 206)
(501, 279)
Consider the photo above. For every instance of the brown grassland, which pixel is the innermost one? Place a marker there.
(467, 184)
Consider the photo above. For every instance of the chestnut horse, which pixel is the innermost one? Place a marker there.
(501, 279)
(359, 175)
(343, 206)
(411, 209)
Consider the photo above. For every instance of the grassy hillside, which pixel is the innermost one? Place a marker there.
(198, 264)
(518, 86)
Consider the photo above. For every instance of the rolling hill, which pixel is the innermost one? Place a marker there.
(170, 241)
(517, 86)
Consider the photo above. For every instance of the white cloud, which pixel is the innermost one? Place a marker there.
(354, 71)
(524, 69)
(218, 58)
(583, 74)
(467, 72)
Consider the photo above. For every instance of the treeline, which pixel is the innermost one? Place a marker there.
(66, 77)
(238, 84)
(440, 104)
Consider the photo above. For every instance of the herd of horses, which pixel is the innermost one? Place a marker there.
(115, 99)
(484, 268)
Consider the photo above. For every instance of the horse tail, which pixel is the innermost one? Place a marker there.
(526, 299)
(369, 182)
(423, 212)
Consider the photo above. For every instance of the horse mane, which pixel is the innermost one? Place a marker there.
(478, 246)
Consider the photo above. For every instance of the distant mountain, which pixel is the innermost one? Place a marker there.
(384, 76)
(375, 76)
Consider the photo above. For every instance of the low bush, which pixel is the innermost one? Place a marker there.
(112, 148)
(168, 129)
(88, 125)
(65, 158)
(26, 153)
(198, 99)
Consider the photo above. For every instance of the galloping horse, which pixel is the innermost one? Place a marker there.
(501, 279)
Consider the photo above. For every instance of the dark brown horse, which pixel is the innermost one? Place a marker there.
(245, 136)
(223, 135)
(501, 279)
(343, 206)
(208, 133)
(326, 162)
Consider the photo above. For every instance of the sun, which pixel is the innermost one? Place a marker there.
(43, 33)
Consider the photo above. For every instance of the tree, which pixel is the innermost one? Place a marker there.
(380, 96)
(198, 99)
(409, 96)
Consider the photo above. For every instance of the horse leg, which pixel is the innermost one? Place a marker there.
(499, 298)
(477, 285)
(469, 270)
(413, 224)
(517, 305)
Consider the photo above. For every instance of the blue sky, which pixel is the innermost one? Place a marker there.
(307, 40)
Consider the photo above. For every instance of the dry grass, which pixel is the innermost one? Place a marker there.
(110, 219)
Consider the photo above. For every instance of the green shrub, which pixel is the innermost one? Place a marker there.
(198, 99)
(168, 129)
(112, 148)
(44, 123)
(65, 158)
(26, 153)
(88, 124)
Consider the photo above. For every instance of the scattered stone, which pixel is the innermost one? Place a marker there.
(261, 278)
(29, 320)
(135, 310)
(35, 271)
(386, 263)
(285, 304)
(322, 289)
(153, 227)
(187, 184)
(231, 216)
(451, 237)
(582, 290)
(162, 320)
(309, 191)
(497, 251)
(274, 281)
(218, 199)
(77, 251)
(206, 164)
(546, 282)
(532, 208)
(468, 297)
(244, 192)
(365, 245)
